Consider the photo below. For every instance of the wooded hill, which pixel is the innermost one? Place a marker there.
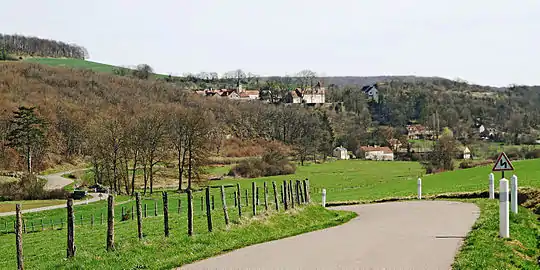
(18, 45)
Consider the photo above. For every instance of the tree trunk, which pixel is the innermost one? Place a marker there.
(145, 175)
(134, 172)
(151, 176)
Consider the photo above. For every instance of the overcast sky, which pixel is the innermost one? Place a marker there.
(493, 42)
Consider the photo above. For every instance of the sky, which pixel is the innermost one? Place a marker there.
(489, 42)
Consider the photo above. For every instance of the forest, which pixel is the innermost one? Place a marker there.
(19, 46)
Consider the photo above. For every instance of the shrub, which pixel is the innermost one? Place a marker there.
(533, 154)
(273, 162)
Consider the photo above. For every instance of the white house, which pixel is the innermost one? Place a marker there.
(377, 153)
(341, 153)
(466, 153)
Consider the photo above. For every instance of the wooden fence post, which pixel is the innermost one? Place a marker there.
(253, 198)
(224, 203)
(139, 214)
(70, 232)
(18, 237)
(208, 210)
(235, 199)
(100, 218)
(281, 193)
(145, 210)
(110, 223)
(291, 194)
(212, 202)
(276, 200)
(42, 227)
(285, 203)
(239, 193)
(308, 192)
(92, 221)
(247, 198)
(190, 210)
(165, 214)
(132, 213)
(297, 189)
(155, 208)
(265, 189)
(123, 212)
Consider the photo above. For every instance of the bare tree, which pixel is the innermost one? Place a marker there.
(307, 78)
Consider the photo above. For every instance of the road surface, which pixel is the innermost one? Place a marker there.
(395, 235)
(56, 181)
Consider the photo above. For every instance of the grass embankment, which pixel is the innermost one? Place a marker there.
(484, 249)
(46, 250)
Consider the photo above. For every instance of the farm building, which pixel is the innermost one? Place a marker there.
(341, 153)
(377, 153)
(466, 153)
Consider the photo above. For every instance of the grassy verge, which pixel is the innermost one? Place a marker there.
(9, 206)
(46, 250)
(483, 249)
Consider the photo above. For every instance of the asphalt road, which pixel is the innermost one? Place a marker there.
(395, 235)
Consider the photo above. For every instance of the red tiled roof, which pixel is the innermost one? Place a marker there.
(384, 149)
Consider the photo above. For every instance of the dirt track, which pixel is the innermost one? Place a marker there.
(396, 235)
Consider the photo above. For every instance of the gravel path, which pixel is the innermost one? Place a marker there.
(395, 235)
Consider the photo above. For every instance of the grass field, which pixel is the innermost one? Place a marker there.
(351, 180)
(483, 249)
(371, 180)
(76, 63)
(72, 63)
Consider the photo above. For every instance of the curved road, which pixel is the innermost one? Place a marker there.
(56, 181)
(395, 235)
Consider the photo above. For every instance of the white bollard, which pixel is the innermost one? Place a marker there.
(324, 197)
(419, 184)
(504, 219)
(514, 194)
(491, 186)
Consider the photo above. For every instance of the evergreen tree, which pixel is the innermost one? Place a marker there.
(27, 133)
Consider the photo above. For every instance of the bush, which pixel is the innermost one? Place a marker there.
(273, 162)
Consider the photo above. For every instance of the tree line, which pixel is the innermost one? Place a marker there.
(38, 47)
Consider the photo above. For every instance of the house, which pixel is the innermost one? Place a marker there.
(415, 132)
(466, 153)
(372, 92)
(315, 95)
(249, 95)
(340, 153)
(377, 153)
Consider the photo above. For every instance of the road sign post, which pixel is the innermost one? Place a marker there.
(502, 164)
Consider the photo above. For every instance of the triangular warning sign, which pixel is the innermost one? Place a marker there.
(503, 163)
